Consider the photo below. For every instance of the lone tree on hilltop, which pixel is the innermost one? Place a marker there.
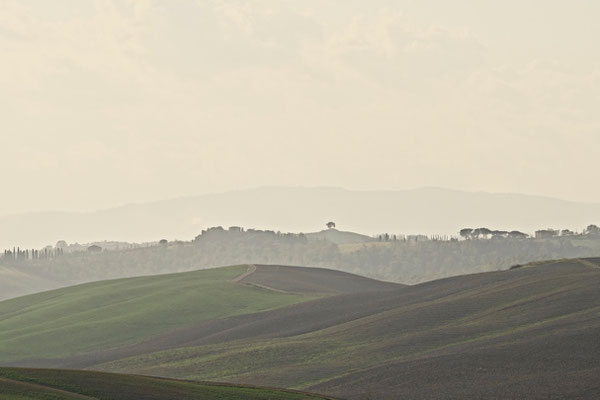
(330, 225)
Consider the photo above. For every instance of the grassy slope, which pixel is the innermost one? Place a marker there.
(92, 323)
(109, 314)
(16, 282)
(478, 325)
(35, 384)
(340, 237)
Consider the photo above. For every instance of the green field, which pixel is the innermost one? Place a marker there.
(39, 384)
(111, 314)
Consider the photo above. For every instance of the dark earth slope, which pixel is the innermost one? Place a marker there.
(524, 333)
(543, 344)
(313, 280)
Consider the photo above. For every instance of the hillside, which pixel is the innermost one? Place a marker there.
(85, 320)
(36, 384)
(15, 281)
(530, 332)
(297, 209)
(340, 237)
(400, 261)
(313, 280)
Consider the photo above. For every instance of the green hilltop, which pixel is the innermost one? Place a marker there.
(95, 317)
(108, 314)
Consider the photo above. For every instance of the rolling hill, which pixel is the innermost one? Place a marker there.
(39, 384)
(93, 319)
(530, 332)
(298, 209)
(15, 281)
(340, 237)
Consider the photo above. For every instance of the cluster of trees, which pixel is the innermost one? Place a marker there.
(217, 246)
(592, 230)
(213, 248)
(485, 233)
(219, 232)
(106, 245)
(16, 254)
(386, 237)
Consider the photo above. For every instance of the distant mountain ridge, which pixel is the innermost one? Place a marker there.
(297, 209)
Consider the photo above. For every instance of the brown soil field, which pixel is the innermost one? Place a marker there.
(313, 280)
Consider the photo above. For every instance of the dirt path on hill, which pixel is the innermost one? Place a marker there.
(250, 271)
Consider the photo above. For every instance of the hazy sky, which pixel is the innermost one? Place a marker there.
(109, 102)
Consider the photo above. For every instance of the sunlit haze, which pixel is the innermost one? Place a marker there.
(105, 103)
(299, 199)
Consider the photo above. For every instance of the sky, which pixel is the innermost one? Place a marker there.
(109, 102)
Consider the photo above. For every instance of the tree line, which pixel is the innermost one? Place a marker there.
(17, 254)
(399, 261)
